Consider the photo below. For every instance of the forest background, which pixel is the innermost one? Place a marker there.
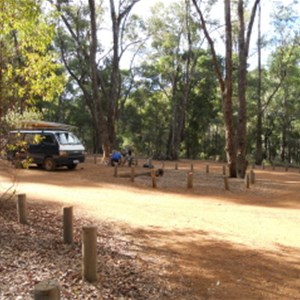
(171, 81)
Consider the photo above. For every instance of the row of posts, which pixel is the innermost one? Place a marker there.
(49, 289)
(249, 178)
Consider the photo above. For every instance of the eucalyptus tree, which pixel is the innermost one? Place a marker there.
(284, 41)
(284, 108)
(99, 76)
(235, 134)
(29, 73)
(174, 53)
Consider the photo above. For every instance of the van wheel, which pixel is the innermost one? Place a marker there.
(49, 164)
(72, 167)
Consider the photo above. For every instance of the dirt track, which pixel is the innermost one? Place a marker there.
(209, 243)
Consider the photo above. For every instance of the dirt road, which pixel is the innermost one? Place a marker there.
(213, 244)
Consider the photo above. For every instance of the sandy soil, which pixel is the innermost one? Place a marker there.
(208, 242)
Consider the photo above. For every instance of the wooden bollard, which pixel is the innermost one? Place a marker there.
(116, 171)
(192, 168)
(47, 290)
(247, 181)
(190, 180)
(22, 209)
(252, 177)
(89, 253)
(68, 224)
(153, 178)
(286, 168)
(132, 174)
(207, 169)
(176, 166)
(226, 184)
(224, 170)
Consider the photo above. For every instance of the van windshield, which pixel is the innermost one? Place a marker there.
(67, 138)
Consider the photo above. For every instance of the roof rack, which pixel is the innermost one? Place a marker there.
(44, 125)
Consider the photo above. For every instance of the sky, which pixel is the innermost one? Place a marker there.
(266, 8)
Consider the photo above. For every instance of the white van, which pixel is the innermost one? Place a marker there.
(46, 144)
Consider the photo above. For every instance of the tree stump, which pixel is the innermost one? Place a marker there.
(22, 209)
(47, 290)
(89, 252)
(68, 225)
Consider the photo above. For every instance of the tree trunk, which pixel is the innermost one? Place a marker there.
(227, 96)
(258, 152)
(114, 93)
(243, 42)
(106, 145)
(242, 113)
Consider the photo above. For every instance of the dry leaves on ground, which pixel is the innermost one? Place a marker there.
(36, 252)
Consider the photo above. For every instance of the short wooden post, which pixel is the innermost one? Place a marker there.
(89, 253)
(176, 166)
(247, 181)
(226, 184)
(68, 224)
(190, 180)
(207, 169)
(224, 170)
(116, 170)
(192, 168)
(22, 209)
(252, 177)
(132, 174)
(47, 290)
(286, 168)
(153, 178)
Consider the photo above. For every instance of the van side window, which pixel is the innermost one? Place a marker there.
(48, 139)
(29, 138)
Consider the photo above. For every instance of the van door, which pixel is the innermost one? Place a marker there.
(44, 145)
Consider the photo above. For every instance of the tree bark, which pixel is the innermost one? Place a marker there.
(243, 42)
(106, 145)
(258, 152)
(227, 95)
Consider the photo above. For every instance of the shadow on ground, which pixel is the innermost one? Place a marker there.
(199, 267)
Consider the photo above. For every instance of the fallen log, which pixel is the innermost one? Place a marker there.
(158, 173)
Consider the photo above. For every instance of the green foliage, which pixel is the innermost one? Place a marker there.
(14, 118)
(29, 70)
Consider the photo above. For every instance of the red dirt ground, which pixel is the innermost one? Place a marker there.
(207, 242)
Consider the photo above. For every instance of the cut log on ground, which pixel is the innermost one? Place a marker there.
(158, 173)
